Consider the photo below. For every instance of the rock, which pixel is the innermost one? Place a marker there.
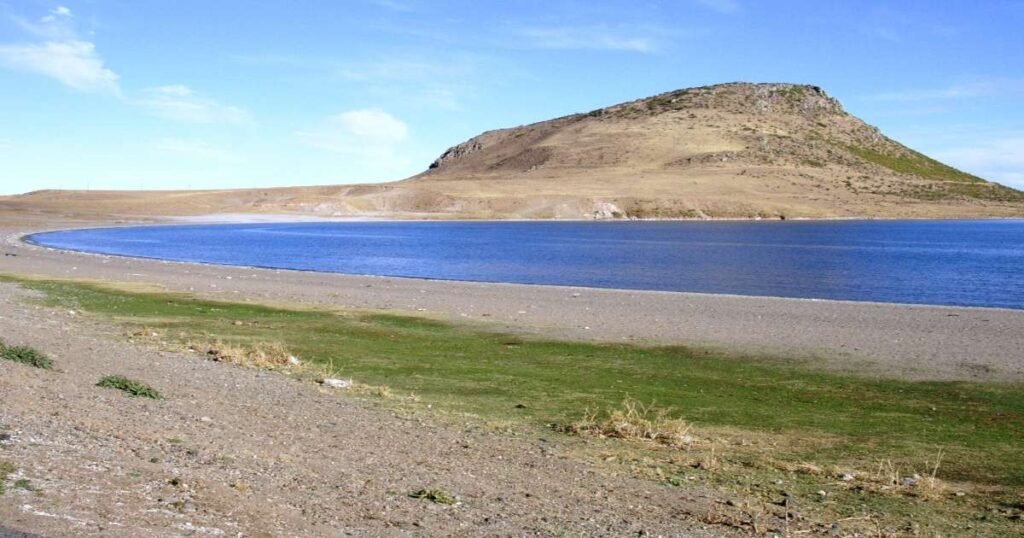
(847, 477)
(910, 481)
(337, 383)
(606, 210)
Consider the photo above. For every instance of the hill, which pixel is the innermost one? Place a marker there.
(730, 150)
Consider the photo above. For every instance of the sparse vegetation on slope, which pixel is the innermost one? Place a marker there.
(911, 162)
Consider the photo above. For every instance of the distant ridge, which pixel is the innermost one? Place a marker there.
(737, 150)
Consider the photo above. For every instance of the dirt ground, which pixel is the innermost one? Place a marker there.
(238, 452)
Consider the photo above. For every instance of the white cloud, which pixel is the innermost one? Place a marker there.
(180, 103)
(1000, 160)
(722, 6)
(196, 149)
(586, 38)
(60, 54)
(369, 133)
(74, 63)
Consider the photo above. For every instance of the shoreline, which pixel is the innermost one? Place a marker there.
(26, 240)
(883, 339)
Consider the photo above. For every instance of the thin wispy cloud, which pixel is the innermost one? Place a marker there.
(180, 103)
(196, 150)
(587, 38)
(394, 5)
(368, 132)
(981, 88)
(438, 83)
(727, 7)
(59, 53)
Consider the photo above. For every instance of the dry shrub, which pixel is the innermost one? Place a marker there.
(928, 486)
(264, 355)
(635, 421)
(804, 467)
(146, 335)
(377, 391)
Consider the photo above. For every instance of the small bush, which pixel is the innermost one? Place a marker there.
(264, 355)
(377, 391)
(634, 421)
(25, 355)
(128, 386)
(433, 495)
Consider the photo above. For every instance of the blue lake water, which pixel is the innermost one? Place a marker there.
(975, 263)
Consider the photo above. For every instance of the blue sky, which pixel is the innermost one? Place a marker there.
(221, 94)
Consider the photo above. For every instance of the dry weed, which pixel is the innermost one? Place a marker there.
(376, 391)
(263, 355)
(635, 421)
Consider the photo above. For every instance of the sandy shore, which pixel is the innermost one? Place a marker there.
(917, 342)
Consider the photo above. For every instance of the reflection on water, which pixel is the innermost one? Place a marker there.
(979, 263)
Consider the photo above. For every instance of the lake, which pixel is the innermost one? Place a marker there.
(971, 263)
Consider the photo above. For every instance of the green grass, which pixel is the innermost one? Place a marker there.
(6, 469)
(436, 496)
(461, 370)
(25, 355)
(914, 163)
(789, 412)
(130, 387)
(953, 183)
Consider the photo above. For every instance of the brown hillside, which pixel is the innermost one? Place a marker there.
(730, 150)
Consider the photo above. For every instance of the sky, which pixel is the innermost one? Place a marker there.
(165, 94)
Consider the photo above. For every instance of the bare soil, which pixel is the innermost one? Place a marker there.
(241, 452)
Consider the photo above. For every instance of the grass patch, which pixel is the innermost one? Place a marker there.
(25, 484)
(914, 163)
(755, 419)
(6, 469)
(129, 387)
(436, 496)
(25, 355)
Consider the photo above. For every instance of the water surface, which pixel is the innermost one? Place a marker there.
(973, 263)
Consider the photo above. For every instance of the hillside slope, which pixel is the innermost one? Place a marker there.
(730, 150)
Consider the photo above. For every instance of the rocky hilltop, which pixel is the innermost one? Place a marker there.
(735, 150)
